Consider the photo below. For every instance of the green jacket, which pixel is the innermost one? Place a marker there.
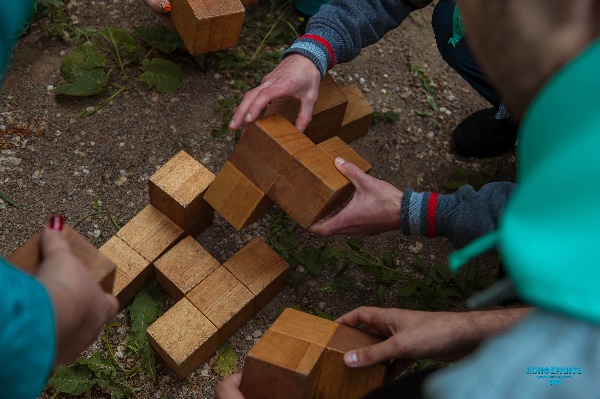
(12, 20)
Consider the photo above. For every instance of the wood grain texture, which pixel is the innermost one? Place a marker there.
(150, 233)
(358, 117)
(225, 301)
(177, 188)
(183, 267)
(133, 271)
(183, 337)
(310, 187)
(208, 25)
(260, 269)
(28, 257)
(305, 326)
(336, 147)
(266, 149)
(236, 198)
(281, 366)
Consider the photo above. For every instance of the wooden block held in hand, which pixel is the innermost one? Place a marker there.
(281, 366)
(183, 267)
(208, 25)
(177, 188)
(236, 198)
(150, 233)
(133, 271)
(305, 326)
(28, 257)
(335, 147)
(266, 149)
(260, 269)
(183, 337)
(358, 116)
(225, 301)
(310, 187)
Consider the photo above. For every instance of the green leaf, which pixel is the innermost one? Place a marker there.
(310, 259)
(165, 75)
(423, 113)
(74, 379)
(324, 315)
(432, 103)
(83, 73)
(407, 291)
(336, 285)
(119, 36)
(227, 361)
(454, 184)
(162, 38)
(355, 244)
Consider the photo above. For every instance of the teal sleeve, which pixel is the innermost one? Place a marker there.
(27, 334)
(12, 21)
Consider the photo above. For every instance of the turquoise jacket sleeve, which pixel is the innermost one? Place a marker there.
(12, 21)
(27, 334)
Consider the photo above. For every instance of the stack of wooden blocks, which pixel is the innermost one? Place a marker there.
(301, 357)
(276, 163)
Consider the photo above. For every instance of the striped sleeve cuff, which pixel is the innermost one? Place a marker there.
(315, 48)
(419, 213)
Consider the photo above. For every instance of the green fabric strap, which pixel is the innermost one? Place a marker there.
(458, 31)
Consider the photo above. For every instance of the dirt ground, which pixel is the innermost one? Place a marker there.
(54, 162)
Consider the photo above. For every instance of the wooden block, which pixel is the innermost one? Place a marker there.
(236, 198)
(358, 116)
(339, 381)
(177, 188)
(335, 147)
(310, 187)
(150, 233)
(266, 149)
(260, 269)
(328, 112)
(225, 301)
(183, 337)
(183, 267)
(208, 25)
(133, 271)
(281, 366)
(305, 326)
(28, 257)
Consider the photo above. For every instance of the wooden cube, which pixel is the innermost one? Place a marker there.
(310, 187)
(183, 267)
(208, 25)
(225, 301)
(150, 233)
(305, 326)
(236, 198)
(177, 188)
(28, 257)
(335, 147)
(339, 381)
(183, 337)
(281, 366)
(260, 269)
(328, 112)
(133, 271)
(266, 149)
(358, 116)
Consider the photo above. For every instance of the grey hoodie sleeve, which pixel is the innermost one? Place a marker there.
(341, 28)
(461, 217)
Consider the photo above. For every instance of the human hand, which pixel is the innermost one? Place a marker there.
(296, 76)
(229, 388)
(80, 306)
(375, 207)
(415, 335)
(162, 8)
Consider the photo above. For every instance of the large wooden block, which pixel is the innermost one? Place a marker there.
(310, 187)
(183, 267)
(328, 112)
(335, 147)
(177, 188)
(236, 198)
(183, 337)
(305, 326)
(28, 257)
(133, 271)
(281, 366)
(150, 233)
(225, 301)
(339, 381)
(208, 25)
(260, 269)
(358, 116)
(266, 149)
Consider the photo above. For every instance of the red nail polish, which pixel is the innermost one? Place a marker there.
(56, 223)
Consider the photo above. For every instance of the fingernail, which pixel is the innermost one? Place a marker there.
(248, 117)
(56, 223)
(231, 123)
(351, 358)
(339, 161)
(165, 7)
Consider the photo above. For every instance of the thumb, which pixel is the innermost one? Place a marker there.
(370, 355)
(53, 240)
(352, 173)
